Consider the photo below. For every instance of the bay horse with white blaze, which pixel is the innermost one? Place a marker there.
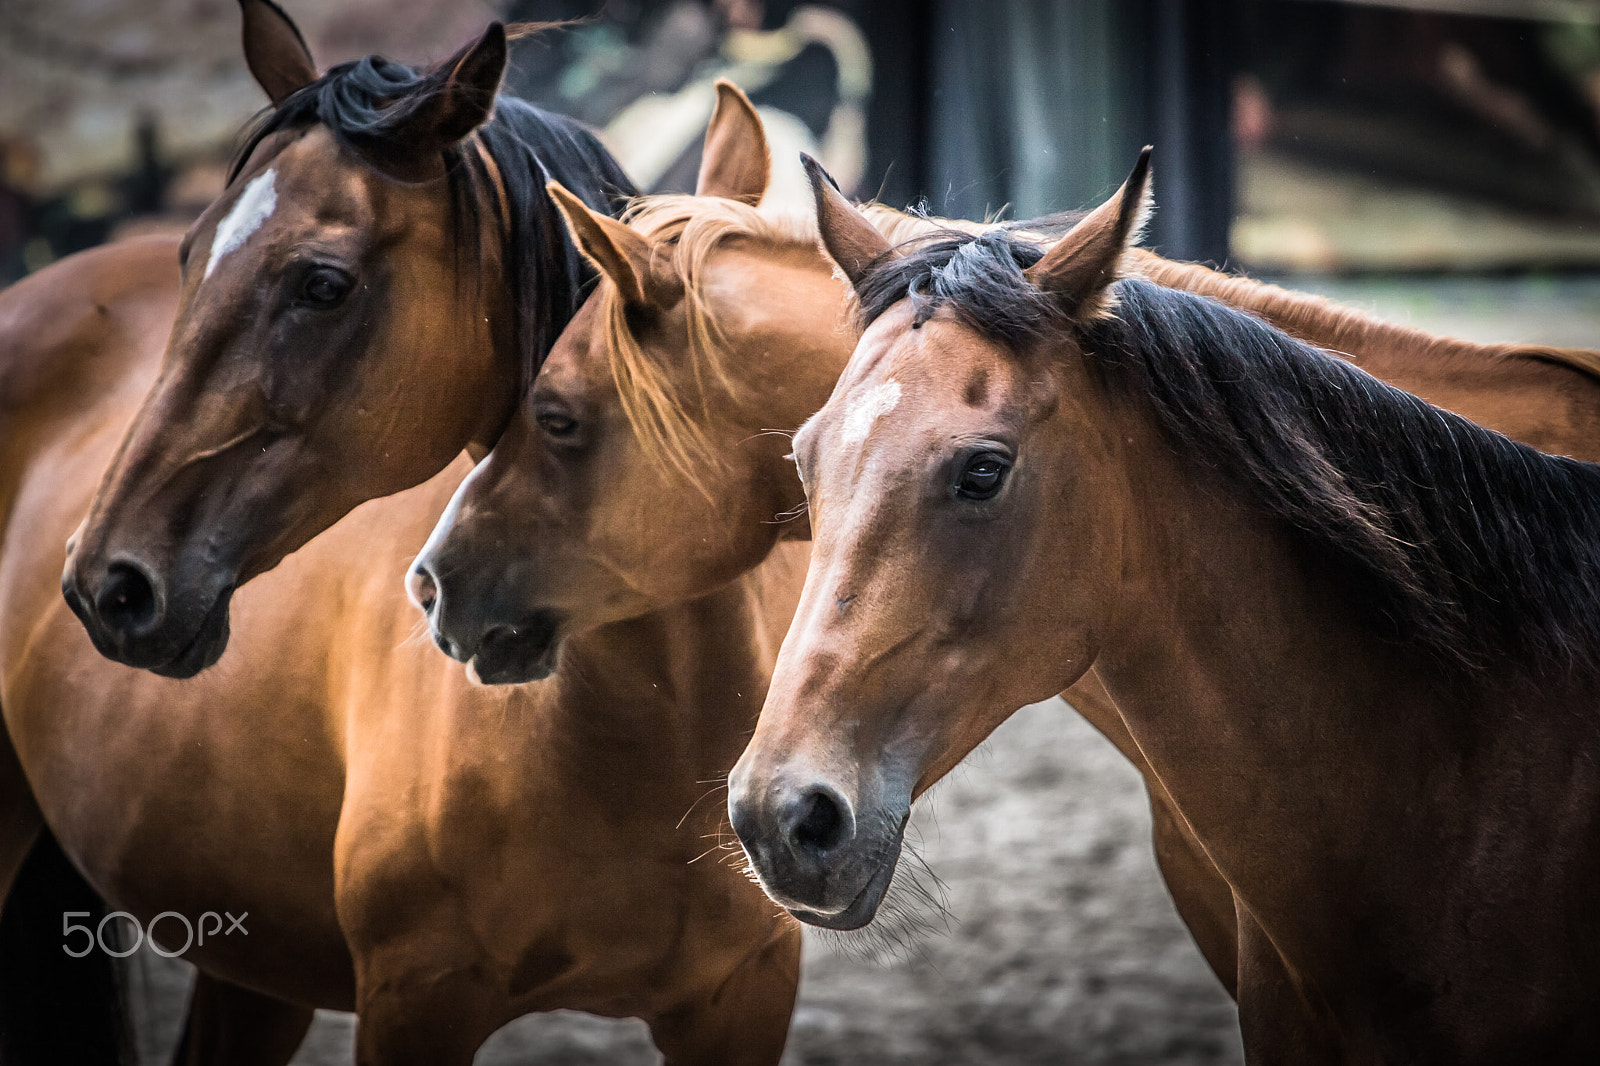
(368, 297)
(1356, 637)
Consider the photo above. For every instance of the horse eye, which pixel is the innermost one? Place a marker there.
(325, 288)
(982, 477)
(557, 425)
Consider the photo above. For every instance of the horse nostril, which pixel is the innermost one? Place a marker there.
(422, 589)
(820, 821)
(496, 635)
(127, 599)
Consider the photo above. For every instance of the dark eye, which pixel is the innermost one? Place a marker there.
(325, 288)
(557, 424)
(982, 477)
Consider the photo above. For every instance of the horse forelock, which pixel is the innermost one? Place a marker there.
(365, 104)
(977, 275)
(1474, 547)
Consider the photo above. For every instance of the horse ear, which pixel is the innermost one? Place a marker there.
(1081, 266)
(464, 99)
(274, 50)
(735, 163)
(853, 242)
(619, 253)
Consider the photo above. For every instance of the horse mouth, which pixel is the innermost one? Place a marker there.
(861, 910)
(515, 655)
(200, 651)
(205, 647)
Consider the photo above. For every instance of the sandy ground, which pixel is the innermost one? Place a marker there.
(1062, 944)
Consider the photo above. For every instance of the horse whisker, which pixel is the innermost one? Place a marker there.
(915, 908)
(696, 803)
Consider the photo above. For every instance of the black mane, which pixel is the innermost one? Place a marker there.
(978, 277)
(1479, 549)
(366, 104)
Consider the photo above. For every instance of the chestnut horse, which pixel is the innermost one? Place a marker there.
(716, 322)
(439, 857)
(1356, 637)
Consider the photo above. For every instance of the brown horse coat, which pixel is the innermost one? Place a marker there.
(1353, 636)
(735, 298)
(437, 856)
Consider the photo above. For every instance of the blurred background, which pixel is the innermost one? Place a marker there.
(1435, 161)
(1292, 136)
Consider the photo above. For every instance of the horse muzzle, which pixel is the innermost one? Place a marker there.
(513, 654)
(482, 619)
(131, 618)
(811, 854)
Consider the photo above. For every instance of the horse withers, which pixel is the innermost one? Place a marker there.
(1355, 636)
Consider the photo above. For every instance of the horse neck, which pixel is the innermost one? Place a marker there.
(1542, 396)
(1286, 733)
(503, 386)
(1224, 661)
(678, 687)
(1395, 353)
(1223, 612)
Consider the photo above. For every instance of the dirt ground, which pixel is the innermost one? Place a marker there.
(1062, 945)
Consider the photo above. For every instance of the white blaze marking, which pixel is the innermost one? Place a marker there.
(253, 207)
(879, 401)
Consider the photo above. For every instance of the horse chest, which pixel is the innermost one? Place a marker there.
(612, 933)
(578, 888)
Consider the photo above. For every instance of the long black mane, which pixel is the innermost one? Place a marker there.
(1479, 549)
(366, 104)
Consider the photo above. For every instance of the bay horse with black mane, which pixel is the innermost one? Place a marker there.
(1356, 637)
(370, 295)
(377, 285)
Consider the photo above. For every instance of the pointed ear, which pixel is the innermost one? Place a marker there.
(463, 98)
(274, 50)
(617, 251)
(852, 241)
(1083, 264)
(735, 163)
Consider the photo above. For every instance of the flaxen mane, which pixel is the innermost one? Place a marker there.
(366, 105)
(1481, 550)
(668, 408)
